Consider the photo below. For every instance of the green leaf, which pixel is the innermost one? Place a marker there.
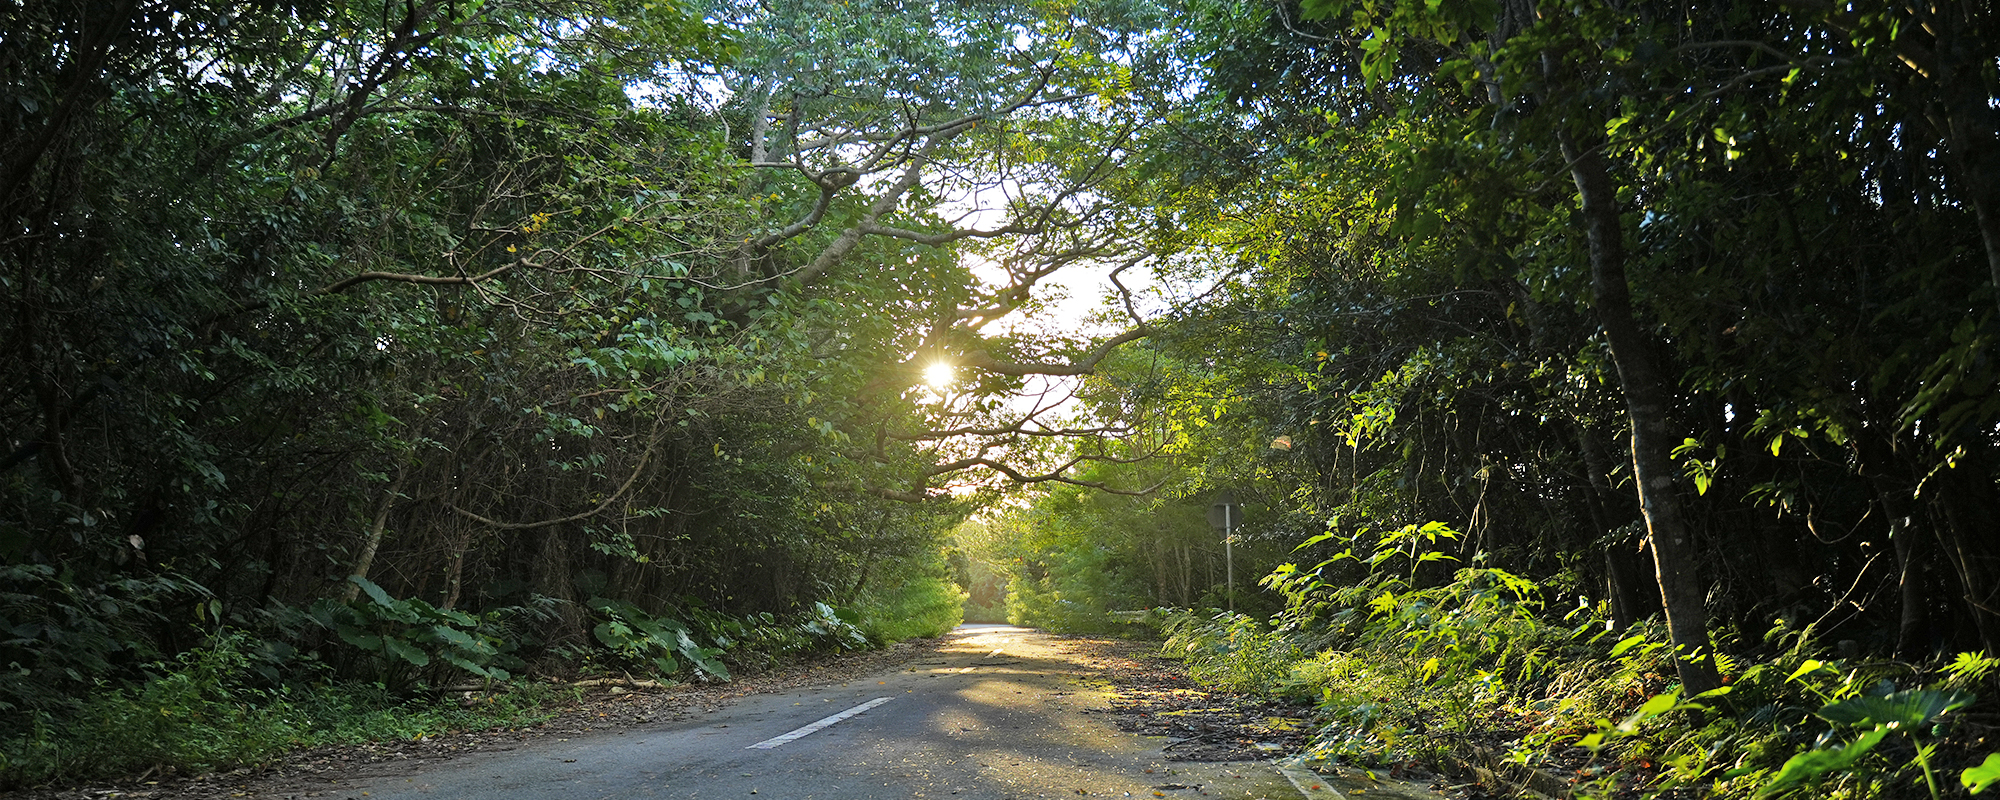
(1310, 541)
(406, 651)
(1812, 665)
(1811, 764)
(463, 663)
(360, 638)
(375, 593)
(455, 637)
(1981, 777)
(1657, 705)
(707, 663)
(1913, 708)
(1625, 644)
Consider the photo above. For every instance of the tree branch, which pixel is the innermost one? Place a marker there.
(1082, 366)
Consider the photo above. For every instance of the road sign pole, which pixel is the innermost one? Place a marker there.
(1223, 515)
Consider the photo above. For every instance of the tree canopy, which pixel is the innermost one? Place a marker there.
(547, 321)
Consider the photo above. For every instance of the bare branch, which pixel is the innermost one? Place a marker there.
(1082, 366)
(637, 470)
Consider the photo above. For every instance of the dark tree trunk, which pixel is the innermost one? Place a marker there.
(1878, 464)
(1965, 493)
(1912, 627)
(1647, 397)
(1622, 578)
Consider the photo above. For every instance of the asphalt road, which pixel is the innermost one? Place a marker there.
(1000, 713)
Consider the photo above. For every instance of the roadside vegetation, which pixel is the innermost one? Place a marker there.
(1606, 388)
(238, 700)
(1475, 670)
(1606, 375)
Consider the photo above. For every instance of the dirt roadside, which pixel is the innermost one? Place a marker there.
(1151, 695)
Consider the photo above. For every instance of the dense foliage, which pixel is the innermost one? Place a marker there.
(1779, 208)
(416, 343)
(1683, 309)
(407, 344)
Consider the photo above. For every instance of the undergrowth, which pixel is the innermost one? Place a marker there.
(382, 668)
(1410, 661)
(207, 711)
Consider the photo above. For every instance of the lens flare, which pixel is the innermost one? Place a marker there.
(939, 374)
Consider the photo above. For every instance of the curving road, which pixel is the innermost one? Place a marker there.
(1001, 713)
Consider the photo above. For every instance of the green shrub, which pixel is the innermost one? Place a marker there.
(1402, 668)
(820, 628)
(63, 631)
(992, 613)
(211, 709)
(408, 642)
(1033, 604)
(927, 603)
(1232, 650)
(657, 644)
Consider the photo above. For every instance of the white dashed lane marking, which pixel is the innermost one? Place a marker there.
(809, 730)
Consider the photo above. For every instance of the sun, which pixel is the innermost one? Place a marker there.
(939, 374)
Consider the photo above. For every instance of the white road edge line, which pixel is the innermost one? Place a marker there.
(813, 728)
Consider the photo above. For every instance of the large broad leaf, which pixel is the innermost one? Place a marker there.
(455, 637)
(374, 592)
(406, 651)
(685, 644)
(1811, 764)
(360, 638)
(613, 634)
(1915, 707)
(1982, 777)
(705, 660)
(462, 663)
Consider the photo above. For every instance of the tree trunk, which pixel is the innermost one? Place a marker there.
(1878, 464)
(1647, 397)
(454, 571)
(1965, 493)
(376, 529)
(1622, 575)
(1912, 629)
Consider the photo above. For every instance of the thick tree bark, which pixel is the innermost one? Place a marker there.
(1647, 398)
